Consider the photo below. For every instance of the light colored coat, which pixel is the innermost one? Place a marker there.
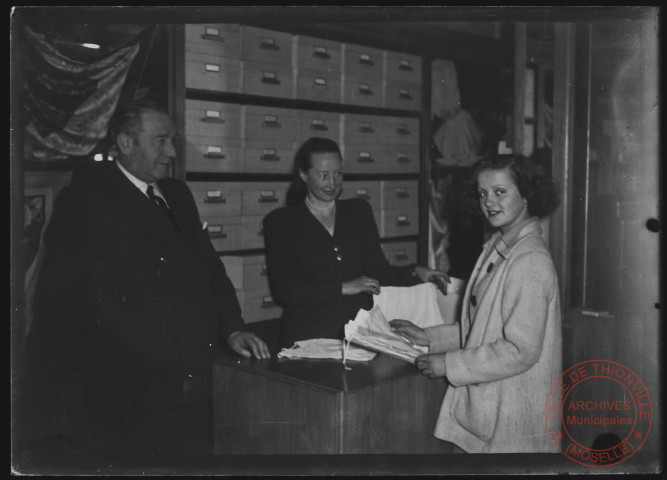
(511, 355)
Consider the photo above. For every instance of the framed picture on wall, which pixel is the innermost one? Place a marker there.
(41, 190)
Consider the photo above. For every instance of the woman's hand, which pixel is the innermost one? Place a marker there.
(432, 365)
(410, 332)
(441, 279)
(361, 285)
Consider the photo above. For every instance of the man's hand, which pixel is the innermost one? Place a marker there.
(409, 331)
(248, 344)
(432, 365)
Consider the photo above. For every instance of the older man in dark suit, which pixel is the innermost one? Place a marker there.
(134, 301)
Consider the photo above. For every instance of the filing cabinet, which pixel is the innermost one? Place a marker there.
(212, 119)
(258, 305)
(266, 46)
(259, 198)
(400, 253)
(363, 129)
(400, 194)
(225, 232)
(267, 79)
(266, 123)
(215, 199)
(213, 154)
(204, 71)
(268, 156)
(402, 95)
(398, 159)
(317, 54)
(398, 223)
(371, 191)
(401, 131)
(311, 123)
(221, 40)
(362, 75)
(247, 272)
(403, 67)
(370, 158)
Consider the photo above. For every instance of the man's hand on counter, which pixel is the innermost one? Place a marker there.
(248, 344)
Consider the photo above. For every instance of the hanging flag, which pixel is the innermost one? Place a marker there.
(69, 103)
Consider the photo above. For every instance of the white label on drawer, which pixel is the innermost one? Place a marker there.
(270, 119)
(400, 252)
(317, 122)
(365, 86)
(269, 151)
(404, 92)
(364, 57)
(212, 114)
(210, 67)
(402, 158)
(268, 41)
(366, 126)
(271, 75)
(362, 191)
(406, 64)
(401, 192)
(402, 218)
(321, 50)
(364, 154)
(321, 82)
(211, 149)
(212, 31)
(267, 193)
(215, 229)
(214, 194)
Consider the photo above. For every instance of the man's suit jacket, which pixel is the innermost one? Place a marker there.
(307, 267)
(126, 299)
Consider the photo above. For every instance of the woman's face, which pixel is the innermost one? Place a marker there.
(500, 200)
(325, 177)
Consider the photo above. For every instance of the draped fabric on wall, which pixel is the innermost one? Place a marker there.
(69, 103)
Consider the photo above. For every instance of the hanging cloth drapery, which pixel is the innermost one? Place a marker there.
(69, 103)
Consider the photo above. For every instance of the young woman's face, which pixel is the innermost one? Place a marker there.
(325, 178)
(500, 200)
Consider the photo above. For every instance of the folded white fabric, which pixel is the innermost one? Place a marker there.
(326, 348)
(424, 305)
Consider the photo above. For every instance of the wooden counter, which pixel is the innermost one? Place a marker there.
(282, 406)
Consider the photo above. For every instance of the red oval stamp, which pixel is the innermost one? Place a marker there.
(605, 413)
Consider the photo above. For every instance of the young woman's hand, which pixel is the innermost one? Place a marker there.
(432, 365)
(409, 331)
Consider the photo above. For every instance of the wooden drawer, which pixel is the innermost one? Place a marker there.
(224, 232)
(317, 124)
(268, 156)
(217, 198)
(362, 62)
(269, 124)
(366, 190)
(397, 223)
(220, 39)
(401, 131)
(400, 253)
(360, 91)
(258, 305)
(267, 79)
(247, 272)
(317, 86)
(252, 234)
(402, 95)
(401, 160)
(403, 67)
(367, 158)
(212, 119)
(261, 198)
(363, 129)
(266, 46)
(400, 194)
(208, 72)
(318, 55)
(213, 154)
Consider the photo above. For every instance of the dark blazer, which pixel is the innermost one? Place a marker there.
(306, 274)
(132, 302)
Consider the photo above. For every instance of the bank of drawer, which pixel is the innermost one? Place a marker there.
(401, 131)
(362, 62)
(212, 119)
(267, 123)
(224, 232)
(247, 272)
(317, 86)
(317, 54)
(208, 72)
(370, 158)
(262, 45)
(268, 157)
(371, 191)
(252, 234)
(400, 253)
(402, 95)
(217, 198)
(258, 305)
(363, 129)
(268, 79)
(400, 194)
(220, 39)
(363, 92)
(259, 198)
(397, 223)
(317, 124)
(403, 67)
(401, 160)
(213, 154)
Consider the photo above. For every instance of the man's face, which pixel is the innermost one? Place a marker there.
(150, 153)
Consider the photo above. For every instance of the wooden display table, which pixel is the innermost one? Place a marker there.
(281, 406)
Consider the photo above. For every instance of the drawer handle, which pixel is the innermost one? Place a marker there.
(212, 119)
(365, 157)
(267, 200)
(267, 302)
(403, 130)
(268, 44)
(214, 197)
(270, 78)
(269, 156)
(405, 94)
(214, 37)
(319, 125)
(365, 89)
(363, 194)
(366, 59)
(271, 121)
(402, 193)
(215, 231)
(400, 255)
(215, 153)
(402, 221)
(402, 158)
(321, 52)
(263, 271)
(212, 67)
(320, 82)
(366, 128)
(405, 66)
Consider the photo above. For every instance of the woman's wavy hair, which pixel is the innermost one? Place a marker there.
(539, 191)
(302, 163)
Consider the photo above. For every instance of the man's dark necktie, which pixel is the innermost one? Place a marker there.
(161, 204)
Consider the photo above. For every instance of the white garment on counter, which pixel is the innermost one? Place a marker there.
(326, 348)
(424, 305)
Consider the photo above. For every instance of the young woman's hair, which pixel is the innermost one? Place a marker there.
(540, 193)
(302, 163)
